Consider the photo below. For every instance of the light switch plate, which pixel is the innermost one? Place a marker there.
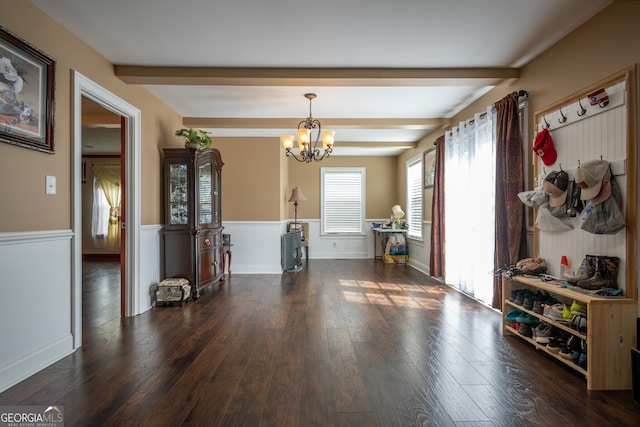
(50, 185)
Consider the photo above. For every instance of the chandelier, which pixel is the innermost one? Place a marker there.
(309, 132)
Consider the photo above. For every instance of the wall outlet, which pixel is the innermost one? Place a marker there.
(50, 185)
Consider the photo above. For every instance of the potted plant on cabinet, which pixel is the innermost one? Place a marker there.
(194, 138)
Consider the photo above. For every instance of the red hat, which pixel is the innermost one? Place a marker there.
(543, 146)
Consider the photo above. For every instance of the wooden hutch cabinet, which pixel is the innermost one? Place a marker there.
(193, 216)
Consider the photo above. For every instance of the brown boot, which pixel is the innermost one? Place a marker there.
(609, 270)
(587, 269)
(605, 276)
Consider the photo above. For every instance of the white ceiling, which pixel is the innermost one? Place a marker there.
(386, 72)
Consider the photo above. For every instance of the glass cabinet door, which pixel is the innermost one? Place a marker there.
(178, 194)
(205, 196)
(216, 199)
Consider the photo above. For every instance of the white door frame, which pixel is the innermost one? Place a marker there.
(82, 86)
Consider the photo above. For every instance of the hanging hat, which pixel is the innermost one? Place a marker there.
(555, 185)
(598, 97)
(543, 146)
(605, 190)
(534, 198)
(589, 177)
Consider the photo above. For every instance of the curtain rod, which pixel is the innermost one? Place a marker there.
(516, 95)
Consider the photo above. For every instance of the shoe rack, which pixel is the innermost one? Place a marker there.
(611, 331)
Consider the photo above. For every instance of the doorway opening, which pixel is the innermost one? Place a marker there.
(102, 185)
(130, 119)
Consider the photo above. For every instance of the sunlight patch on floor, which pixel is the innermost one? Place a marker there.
(392, 294)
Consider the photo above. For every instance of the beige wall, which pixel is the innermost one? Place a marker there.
(251, 178)
(25, 206)
(257, 186)
(606, 44)
(381, 185)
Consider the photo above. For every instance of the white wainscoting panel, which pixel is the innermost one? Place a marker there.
(420, 251)
(35, 308)
(256, 246)
(151, 266)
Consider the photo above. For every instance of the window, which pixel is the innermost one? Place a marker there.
(469, 185)
(414, 197)
(100, 216)
(343, 200)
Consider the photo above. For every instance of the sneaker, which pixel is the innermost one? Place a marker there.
(542, 333)
(582, 359)
(513, 315)
(514, 294)
(566, 353)
(578, 308)
(555, 344)
(525, 329)
(580, 324)
(528, 300)
(556, 312)
(519, 299)
(566, 313)
(538, 307)
(527, 319)
(575, 348)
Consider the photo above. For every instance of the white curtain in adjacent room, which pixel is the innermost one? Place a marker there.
(107, 186)
(469, 206)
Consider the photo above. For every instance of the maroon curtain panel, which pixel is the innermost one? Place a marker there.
(510, 227)
(436, 257)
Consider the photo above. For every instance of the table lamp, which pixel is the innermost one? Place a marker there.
(398, 213)
(296, 195)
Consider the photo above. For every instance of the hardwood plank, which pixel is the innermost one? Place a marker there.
(211, 407)
(341, 343)
(282, 406)
(253, 387)
(316, 403)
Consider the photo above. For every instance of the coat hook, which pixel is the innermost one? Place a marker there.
(578, 162)
(603, 104)
(563, 119)
(546, 123)
(560, 167)
(582, 111)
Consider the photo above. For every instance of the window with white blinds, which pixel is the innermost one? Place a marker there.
(414, 197)
(343, 200)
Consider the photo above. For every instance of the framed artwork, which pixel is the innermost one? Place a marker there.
(429, 167)
(27, 87)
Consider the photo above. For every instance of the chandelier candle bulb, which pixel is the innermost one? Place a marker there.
(287, 141)
(327, 139)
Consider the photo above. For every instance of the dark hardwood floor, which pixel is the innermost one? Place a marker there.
(341, 343)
